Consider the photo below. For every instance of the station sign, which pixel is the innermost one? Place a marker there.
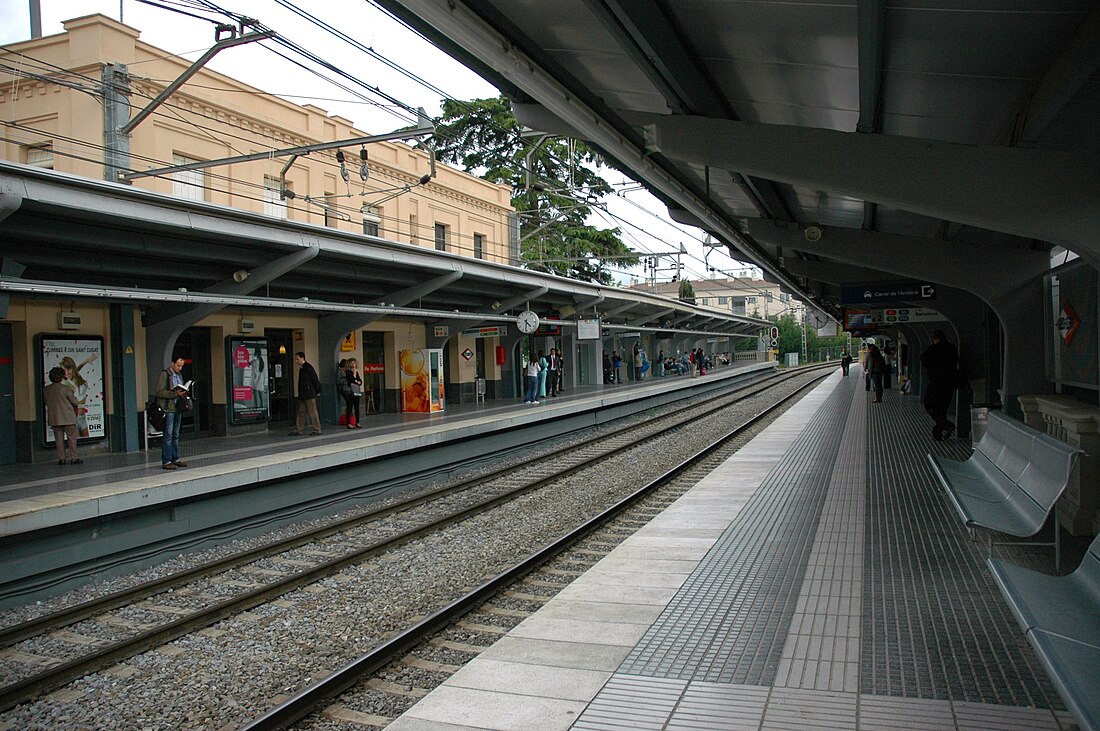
(492, 331)
(868, 320)
(886, 293)
(894, 315)
(588, 329)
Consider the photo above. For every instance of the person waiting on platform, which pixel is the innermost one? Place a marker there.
(876, 366)
(616, 365)
(309, 388)
(354, 392)
(608, 374)
(61, 411)
(941, 364)
(553, 379)
(170, 394)
(845, 363)
(531, 373)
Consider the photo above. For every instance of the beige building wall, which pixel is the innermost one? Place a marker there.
(213, 116)
(739, 295)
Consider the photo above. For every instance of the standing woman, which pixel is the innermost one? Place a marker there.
(877, 367)
(353, 394)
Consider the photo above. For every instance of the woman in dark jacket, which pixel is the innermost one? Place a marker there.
(876, 365)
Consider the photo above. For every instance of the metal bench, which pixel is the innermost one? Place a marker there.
(1011, 482)
(1060, 616)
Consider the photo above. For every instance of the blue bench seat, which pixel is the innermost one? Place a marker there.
(1060, 616)
(1011, 482)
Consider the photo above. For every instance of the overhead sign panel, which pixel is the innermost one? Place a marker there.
(887, 292)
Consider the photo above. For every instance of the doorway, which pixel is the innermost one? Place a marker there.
(280, 384)
(7, 395)
(193, 345)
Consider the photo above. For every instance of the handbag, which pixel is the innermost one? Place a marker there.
(183, 403)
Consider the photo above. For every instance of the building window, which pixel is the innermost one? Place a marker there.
(723, 300)
(372, 218)
(479, 246)
(40, 156)
(274, 205)
(750, 300)
(440, 237)
(330, 218)
(188, 185)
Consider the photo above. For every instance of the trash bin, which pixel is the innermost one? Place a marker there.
(979, 421)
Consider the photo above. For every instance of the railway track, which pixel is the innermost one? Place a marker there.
(302, 560)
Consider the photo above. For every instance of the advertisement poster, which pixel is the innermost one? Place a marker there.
(421, 380)
(248, 380)
(82, 360)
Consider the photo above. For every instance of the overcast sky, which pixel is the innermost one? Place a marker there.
(259, 67)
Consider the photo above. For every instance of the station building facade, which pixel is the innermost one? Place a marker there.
(218, 265)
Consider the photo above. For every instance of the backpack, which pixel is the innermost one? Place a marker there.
(155, 414)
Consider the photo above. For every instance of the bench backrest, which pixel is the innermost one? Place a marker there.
(1089, 570)
(1037, 463)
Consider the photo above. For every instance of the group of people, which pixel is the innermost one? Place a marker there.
(543, 376)
(694, 362)
(943, 376)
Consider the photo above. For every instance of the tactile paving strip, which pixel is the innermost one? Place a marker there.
(729, 621)
(934, 624)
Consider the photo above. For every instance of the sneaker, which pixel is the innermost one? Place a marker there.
(534, 402)
(168, 466)
(294, 434)
(61, 461)
(177, 463)
(78, 460)
(315, 433)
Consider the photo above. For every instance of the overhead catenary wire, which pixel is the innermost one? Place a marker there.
(205, 6)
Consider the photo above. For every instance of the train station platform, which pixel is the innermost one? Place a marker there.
(817, 579)
(41, 496)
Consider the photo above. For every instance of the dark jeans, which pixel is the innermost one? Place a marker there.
(876, 383)
(170, 442)
(937, 400)
(351, 407)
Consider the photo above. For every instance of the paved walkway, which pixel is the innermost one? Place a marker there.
(817, 579)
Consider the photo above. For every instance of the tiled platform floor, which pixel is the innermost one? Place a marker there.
(816, 580)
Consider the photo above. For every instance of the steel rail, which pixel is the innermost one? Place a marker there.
(324, 690)
(66, 672)
(88, 609)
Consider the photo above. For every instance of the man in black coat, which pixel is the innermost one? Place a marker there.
(309, 388)
(941, 364)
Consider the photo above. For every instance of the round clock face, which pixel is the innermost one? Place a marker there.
(527, 322)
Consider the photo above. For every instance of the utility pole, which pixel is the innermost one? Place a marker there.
(116, 110)
(116, 88)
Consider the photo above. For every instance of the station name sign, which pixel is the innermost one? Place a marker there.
(886, 293)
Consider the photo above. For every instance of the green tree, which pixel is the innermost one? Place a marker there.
(482, 136)
(790, 339)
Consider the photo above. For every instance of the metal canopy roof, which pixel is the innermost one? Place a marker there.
(84, 238)
(784, 127)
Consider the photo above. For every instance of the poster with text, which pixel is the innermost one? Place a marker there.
(248, 380)
(81, 358)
